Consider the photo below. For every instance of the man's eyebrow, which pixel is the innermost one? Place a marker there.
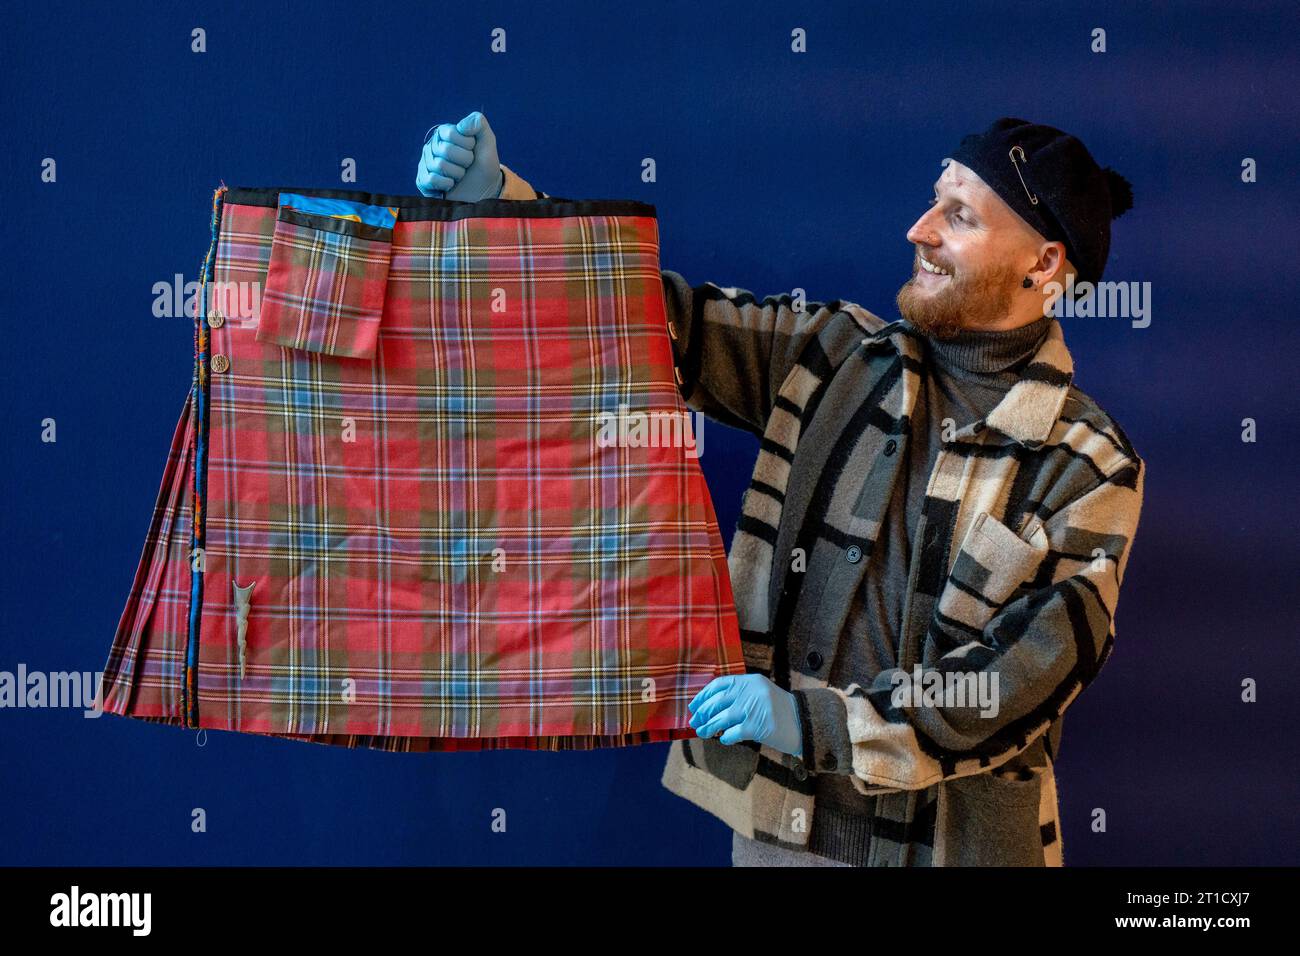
(961, 197)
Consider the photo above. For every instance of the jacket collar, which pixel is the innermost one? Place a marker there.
(1030, 408)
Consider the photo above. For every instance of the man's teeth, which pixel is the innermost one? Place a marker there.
(931, 267)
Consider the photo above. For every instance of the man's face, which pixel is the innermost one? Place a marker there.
(978, 241)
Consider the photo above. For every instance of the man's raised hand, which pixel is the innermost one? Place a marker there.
(459, 161)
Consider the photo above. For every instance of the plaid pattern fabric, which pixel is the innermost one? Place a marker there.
(430, 548)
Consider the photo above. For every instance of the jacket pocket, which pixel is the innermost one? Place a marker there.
(992, 562)
(734, 764)
(990, 820)
(327, 274)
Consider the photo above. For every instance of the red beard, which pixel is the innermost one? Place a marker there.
(964, 300)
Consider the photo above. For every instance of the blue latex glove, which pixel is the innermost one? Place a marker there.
(460, 161)
(748, 707)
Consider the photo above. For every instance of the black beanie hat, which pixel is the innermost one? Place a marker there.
(1052, 182)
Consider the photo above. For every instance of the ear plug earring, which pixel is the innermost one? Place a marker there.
(1027, 282)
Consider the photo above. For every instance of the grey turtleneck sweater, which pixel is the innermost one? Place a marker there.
(964, 379)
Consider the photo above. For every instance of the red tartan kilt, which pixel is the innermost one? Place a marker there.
(394, 431)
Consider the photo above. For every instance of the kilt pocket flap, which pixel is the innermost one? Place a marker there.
(992, 562)
(327, 275)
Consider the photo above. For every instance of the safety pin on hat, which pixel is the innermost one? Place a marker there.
(1012, 153)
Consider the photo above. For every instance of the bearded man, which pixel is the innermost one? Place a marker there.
(930, 550)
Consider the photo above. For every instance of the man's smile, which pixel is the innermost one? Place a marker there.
(930, 273)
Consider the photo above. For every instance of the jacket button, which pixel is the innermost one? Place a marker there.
(815, 660)
(853, 555)
(891, 446)
(828, 762)
(800, 772)
(220, 363)
(215, 319)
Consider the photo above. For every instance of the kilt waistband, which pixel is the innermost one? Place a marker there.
(430, 209)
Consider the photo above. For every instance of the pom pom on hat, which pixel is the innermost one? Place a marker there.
(1121, 193)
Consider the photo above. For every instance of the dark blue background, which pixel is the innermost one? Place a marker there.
(775, 170)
